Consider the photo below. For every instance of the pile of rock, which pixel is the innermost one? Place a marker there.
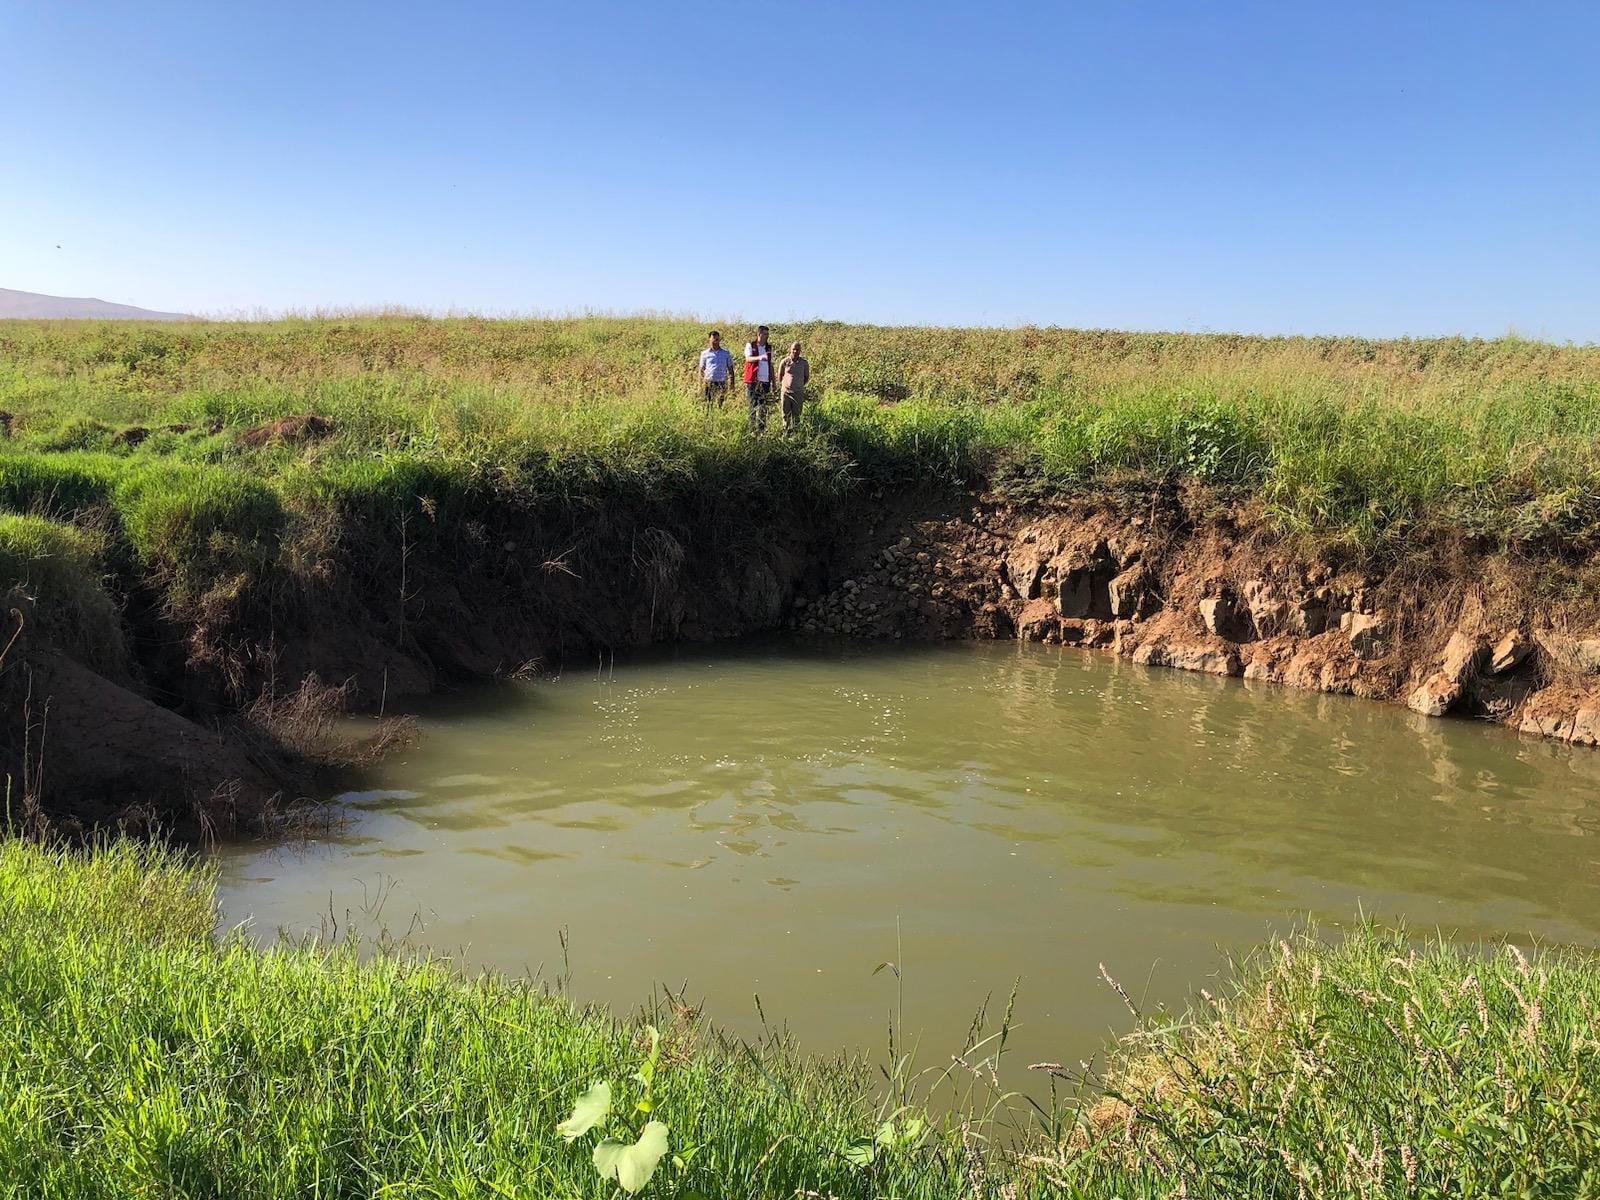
(1491, 676)
(851, 609)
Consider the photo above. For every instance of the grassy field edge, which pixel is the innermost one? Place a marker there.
(149, 1056)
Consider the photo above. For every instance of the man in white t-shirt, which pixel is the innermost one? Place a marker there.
(758, 377)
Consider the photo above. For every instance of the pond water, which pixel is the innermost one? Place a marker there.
(781, 817)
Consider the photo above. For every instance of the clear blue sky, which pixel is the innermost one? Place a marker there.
(1376, 168)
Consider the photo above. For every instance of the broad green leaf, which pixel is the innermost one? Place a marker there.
(860, 1151)
(632, 1166)
(591, 1109)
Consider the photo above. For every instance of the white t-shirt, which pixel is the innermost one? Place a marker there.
(764, 366)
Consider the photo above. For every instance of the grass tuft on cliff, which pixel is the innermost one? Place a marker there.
(147, 1056)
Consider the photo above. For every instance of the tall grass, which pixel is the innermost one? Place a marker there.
(1359, 442)
(145, 1056)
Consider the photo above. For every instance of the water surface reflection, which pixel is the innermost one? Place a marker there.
(756, 820)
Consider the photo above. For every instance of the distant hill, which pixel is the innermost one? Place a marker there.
(32, 305)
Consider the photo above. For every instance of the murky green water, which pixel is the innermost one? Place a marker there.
(758, 821)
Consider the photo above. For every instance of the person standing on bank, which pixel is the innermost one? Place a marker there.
(794, 373)
(716, 365)
(758, 377)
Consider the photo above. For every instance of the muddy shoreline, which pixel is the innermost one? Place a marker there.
(214, 725)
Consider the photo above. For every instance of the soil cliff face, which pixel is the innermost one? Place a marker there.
(189, 731)
(380, 611)
(1453, 632)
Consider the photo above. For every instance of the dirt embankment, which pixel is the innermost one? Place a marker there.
(202, 732)
(216, 717)
(1452, 632)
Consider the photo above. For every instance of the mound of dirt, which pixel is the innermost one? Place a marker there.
(95, 754)
(303, 427)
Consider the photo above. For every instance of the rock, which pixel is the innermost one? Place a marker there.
(1437, 696)
(1075, 592)
(1222, 618)
(1126, 592)
(1210, 659)
(1585, 727)
(1464, 654)
(1309, 618)
(1510, 652)
(1261, 668)
(1099, 633)
(1269, 612)
(1124, 552)
(1368, 633)
(1038, 621)
(1584, 654)
(1546, 724)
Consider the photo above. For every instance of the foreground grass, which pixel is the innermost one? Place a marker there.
(145, 1057)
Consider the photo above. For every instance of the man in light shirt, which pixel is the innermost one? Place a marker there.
(716, 364)
(758, 377)
(794, 373)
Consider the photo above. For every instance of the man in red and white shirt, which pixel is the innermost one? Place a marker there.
(758, 371)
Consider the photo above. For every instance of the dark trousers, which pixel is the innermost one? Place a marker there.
(716, 392)
(758, 394)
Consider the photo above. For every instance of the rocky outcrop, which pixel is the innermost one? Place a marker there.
(1220, 597)
(1442, 691)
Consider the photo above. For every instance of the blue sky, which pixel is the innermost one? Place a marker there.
(1379, 168)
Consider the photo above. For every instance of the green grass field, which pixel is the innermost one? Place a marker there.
(146, 1057)
(1362, 445)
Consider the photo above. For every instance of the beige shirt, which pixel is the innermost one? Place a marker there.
(793, 374)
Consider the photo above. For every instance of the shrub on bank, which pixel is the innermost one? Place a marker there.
(146, 1056)
(52, 572)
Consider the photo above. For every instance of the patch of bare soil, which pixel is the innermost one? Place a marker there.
(293, 429)
(97, 755)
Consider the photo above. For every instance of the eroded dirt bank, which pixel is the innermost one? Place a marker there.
(200, 728)
(1452, 632)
